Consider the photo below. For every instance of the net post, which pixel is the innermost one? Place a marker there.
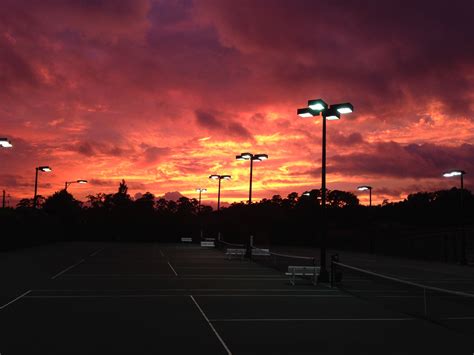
(425, 303)
(334, 258)
(249, 248)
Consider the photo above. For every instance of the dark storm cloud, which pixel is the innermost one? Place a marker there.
(224, 124)
(392, 159)
(380, 53)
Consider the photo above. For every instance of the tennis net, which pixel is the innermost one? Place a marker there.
(224, 245)
(453, 309)
(280, 261)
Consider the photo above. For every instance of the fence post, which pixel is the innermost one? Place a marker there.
(425, 302)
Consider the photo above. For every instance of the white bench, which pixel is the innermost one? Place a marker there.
(235, 252)
(304, 271)
(187, 240)
(209, 239)
(208, 244)
(260, 252)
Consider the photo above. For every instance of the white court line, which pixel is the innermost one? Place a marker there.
(67, 269)
(177, 295)
(188, 277)
(16, 299)
(210, 325)
(270, 295)
(459, 318)
(308, 319)
(97, 252)
(191, 289)
(175, 273)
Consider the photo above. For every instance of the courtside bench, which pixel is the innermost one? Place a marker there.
(235, 252)
(208, 244)
(303, 271)
(260, 252)
(186, 240)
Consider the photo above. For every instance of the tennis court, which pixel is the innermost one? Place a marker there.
(97, 298)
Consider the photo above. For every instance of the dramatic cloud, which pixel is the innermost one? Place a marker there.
(398, 161)
(163, 93)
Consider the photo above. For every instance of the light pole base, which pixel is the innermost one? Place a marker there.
(323, 276)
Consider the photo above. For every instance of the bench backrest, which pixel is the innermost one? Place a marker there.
(187, 240)
(235, 251)
(208, 244)
(304, 269)
(260, 251)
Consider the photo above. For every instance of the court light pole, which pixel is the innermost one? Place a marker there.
(200, 190)
(45, 169)
(219, 178)
(460, 173)
(5, 143)
(252, 158)
(365, 188)
(319, 107)
(80, 181)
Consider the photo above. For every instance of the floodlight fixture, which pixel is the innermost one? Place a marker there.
(331, 114)
(45, 169)
(80, 181)
(364, 188)
(5, 143)
(252, 158)
(219, 177)
(260, 157)
(343, 108)
(317, 105)
(307, 112)
(454, 173)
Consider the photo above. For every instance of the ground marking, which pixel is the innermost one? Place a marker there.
(210, 325)
(183, 295)
(161, 252)
(67, 269)
(189, 277)
(459, 318)
(176, 274)
(97, 252)
(191, 289)
(16, 299)
(308, 319)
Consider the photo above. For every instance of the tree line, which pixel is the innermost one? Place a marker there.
(294, 219)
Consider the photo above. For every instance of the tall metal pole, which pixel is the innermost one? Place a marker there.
(463, 237)
(36, 189)
(323, 276)
(3, 203)
(251, 172)
(199, 205)
(370, 197)
(219, 195)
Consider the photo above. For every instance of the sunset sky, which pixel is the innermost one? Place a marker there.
(165, 93)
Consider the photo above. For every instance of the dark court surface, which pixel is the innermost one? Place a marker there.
(93, 298)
